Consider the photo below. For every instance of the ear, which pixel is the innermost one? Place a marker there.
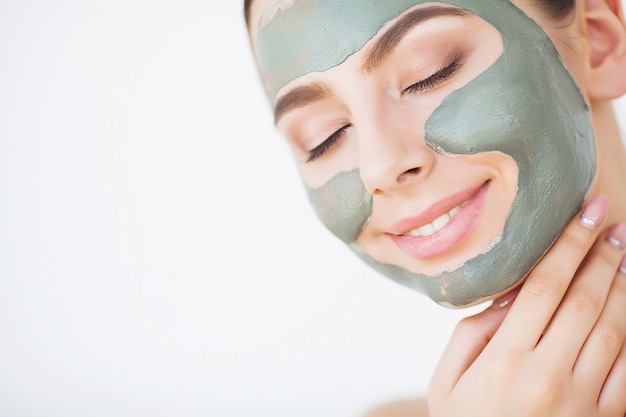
(606, 34)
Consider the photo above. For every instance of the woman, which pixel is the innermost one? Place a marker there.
(449, 144)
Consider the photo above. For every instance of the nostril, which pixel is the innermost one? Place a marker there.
(409, 173)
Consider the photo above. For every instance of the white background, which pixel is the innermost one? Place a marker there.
(157, 253)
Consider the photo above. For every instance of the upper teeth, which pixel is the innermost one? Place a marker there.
(437, 224)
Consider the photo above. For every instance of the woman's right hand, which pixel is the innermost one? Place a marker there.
(558, 349)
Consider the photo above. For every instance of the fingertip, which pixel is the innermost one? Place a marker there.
(505, 300)
(622, 266)
(617, 236)
(595, 211)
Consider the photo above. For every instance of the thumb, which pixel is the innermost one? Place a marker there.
(468, 340)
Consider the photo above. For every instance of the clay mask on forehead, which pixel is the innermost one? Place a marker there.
(525, 105)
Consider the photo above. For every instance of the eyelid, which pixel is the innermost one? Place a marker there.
(309, 127)
(327, 144)
(440, 75)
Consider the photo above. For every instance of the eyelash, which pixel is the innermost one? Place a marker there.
(325, 146)
(431, 82)
(427, 84)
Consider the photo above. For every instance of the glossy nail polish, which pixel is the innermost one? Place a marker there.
(617, 236)
(595, 212)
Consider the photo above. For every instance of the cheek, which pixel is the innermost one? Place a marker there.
(566, 36)
(575, 66)
(339, 159)
(574, 54)
(342, 204)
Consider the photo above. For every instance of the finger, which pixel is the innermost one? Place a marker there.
(547, 282)
(585, 301)
(469, 339)
(599, 356)
(613, 396)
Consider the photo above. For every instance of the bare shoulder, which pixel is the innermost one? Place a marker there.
(412, 407)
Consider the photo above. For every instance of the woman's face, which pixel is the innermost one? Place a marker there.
(431, 212)
(425, 139)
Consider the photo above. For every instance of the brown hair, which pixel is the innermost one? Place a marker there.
(246, 10)
(557, 9)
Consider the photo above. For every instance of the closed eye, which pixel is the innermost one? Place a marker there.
(431, 82)
(325, 146)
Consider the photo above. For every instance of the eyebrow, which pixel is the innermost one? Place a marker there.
(392, 37)
(300, 96)
(307, 94)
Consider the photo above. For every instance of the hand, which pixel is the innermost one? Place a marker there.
(558, 349)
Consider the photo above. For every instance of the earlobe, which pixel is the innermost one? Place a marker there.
(606, 34)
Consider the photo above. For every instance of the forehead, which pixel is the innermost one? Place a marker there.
(292, 38)
(257, 10)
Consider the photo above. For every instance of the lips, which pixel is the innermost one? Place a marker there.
(442, 227)
(437, 224)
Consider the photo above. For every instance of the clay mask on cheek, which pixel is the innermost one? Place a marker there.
(525, 105)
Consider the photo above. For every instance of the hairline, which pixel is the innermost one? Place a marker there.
(246, 11)
(556, 9)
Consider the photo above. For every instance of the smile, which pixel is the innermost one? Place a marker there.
(438, 224)
(421, 238)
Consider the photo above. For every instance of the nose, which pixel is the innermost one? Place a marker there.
(393, 154)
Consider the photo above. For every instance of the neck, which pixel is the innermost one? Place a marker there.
(611, 171)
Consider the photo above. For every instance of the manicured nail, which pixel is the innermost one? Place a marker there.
(622, 267)
(506, 299)
(617, 236)
(595, 212)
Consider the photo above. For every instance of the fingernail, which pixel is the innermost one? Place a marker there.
(617, 236)
(595, 212)
(506, 299)
(622, 267)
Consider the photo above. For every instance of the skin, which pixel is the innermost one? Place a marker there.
(589, 48)
(487, 124)
(513, 360)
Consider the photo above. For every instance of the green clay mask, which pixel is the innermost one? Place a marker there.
(525, 105)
